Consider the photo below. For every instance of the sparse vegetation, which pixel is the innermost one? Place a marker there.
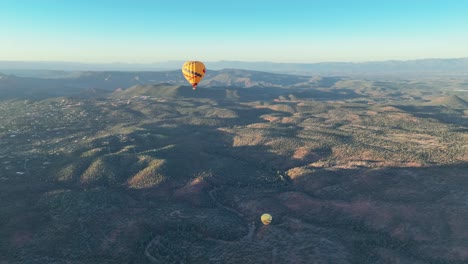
(353, 171)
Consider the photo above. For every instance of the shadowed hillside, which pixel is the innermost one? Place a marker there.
(451, 101)
(170, 91)
(244, 78)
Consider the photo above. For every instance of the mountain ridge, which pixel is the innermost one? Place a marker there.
(422, 66)
(14, 86)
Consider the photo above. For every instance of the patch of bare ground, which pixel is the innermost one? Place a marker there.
(346, 158)
(298, 172)
(305, 155)
(402, 116)
(248, 140)
(389, 109)
(271, 118)
(395, 164)
(261, 125)
(422, 140)
(289, 120)
(345, 155)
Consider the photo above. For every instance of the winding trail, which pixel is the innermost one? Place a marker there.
(212, 193)
(250, 227)
(220, 205)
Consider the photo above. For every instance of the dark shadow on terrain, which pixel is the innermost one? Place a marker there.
(402, 214)
(211, 191)
(252, 94)
(328, 82)
(260, 93)
(335, 94)
(443, 114)
(416, 214)
(69, 218)
(249, 115)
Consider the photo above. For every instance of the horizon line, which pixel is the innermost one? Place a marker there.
(223, 60)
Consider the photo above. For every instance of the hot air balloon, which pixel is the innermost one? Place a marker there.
(266, 219)
(193, 71)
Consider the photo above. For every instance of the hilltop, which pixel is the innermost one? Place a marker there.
(452, 101)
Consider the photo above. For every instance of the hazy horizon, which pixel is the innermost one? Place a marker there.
(227, 60)
(253, 31)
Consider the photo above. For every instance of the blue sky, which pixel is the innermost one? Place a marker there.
(281, 31)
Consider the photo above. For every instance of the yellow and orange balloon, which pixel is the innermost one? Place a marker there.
(266, 219)
(194, 71)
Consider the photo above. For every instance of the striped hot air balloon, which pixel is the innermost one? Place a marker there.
(194, 71)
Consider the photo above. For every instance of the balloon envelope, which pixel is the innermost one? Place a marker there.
(266, 219)
(193, 71)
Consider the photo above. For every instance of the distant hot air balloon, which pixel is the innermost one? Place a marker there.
(266, 219)
(193, 71)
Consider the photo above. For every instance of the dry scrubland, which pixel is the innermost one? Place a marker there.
(354, 171)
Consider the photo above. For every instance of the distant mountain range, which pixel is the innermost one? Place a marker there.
(456, 66)
(225, 84)
(12, 86)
